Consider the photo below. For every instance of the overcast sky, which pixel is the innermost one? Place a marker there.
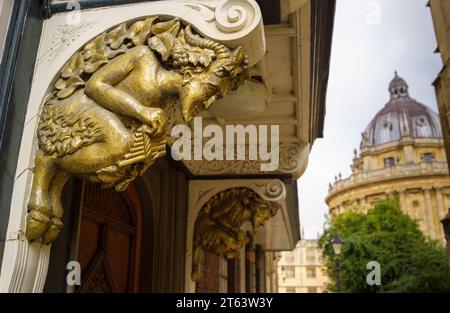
(365, 55)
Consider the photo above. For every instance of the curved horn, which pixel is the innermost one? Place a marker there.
(239, 56)
(219, 49)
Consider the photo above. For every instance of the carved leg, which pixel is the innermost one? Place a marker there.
(198, 264)
(39, 207)
(56, 189)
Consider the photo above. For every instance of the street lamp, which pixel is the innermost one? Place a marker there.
(337, 243)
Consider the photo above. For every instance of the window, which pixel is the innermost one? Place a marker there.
(310, 272)
(389, 162)
(289, 258)
(290, 271)
(312, 290)
(428, 157)
(420, 122)
(310, 254)
(388, 124)
(290, 289)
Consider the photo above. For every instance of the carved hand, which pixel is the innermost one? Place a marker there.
(155, 118)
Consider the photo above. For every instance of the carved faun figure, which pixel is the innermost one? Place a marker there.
(105, 118)
(219, 224)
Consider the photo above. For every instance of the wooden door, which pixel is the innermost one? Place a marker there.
(109, 240)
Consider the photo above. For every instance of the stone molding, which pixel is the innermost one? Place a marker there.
(293, 161)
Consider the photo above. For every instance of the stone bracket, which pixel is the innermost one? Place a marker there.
(218, 214)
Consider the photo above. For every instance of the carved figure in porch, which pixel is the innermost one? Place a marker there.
(219, 225)
(105, 119)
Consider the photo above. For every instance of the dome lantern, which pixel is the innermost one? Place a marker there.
(398, 87)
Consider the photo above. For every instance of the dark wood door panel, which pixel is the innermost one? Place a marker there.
(109, 245)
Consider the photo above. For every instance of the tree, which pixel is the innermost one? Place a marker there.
(410, 262)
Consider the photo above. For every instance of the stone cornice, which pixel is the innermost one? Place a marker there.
(291, 163)
(395, 145)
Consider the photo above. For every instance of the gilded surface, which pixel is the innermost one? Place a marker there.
(218, 228)
(105, 119)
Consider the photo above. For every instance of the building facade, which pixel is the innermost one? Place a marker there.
(91, 93)
(302, 270)
(402, 154)
(440, 10)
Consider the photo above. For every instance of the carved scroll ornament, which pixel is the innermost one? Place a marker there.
(105, 119)
(218, 228)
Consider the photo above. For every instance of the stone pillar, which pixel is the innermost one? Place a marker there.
(363, 204)
(408, 154)
(440, 202)
(441, 211)
(403, 204)
(242, 269)
(429, 214)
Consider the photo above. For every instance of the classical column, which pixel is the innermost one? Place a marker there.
(242, 269)
(408, 154)
(429, 213)
(440, 202)
(362, 204)
(403, 205)
(441, 211)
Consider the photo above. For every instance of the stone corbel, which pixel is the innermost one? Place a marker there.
(231, 22)
(293, 159)
(219, 223)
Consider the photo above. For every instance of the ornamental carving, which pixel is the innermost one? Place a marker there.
(106, 118)
(218, 228)
(230, 16)
(290, 163)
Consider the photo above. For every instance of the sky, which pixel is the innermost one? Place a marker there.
(372, 39)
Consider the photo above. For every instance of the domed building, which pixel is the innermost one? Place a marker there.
(401, 154)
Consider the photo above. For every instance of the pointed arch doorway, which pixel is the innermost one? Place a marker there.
(109, 245)
(131, 241)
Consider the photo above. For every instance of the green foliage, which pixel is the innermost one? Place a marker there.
(409, 261)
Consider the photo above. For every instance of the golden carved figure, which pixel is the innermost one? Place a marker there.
(218, 228)
(105, 118)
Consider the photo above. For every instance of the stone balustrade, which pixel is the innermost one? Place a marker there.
(405, 170)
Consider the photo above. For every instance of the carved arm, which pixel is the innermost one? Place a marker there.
(100, 88)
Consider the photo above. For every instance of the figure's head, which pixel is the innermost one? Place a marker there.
(226, 72)
(262, 212)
